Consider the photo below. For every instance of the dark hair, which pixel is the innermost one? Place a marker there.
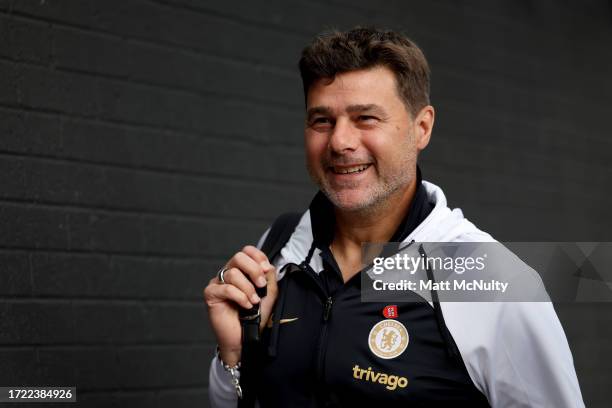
(336, 52)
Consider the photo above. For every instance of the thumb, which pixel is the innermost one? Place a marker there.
(267, 303)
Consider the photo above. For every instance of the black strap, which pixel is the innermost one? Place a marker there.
(277, 237)
(279, 234)
(451, 347)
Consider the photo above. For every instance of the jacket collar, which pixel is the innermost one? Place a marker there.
(323, 219)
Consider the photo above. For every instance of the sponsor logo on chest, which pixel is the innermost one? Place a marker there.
(391, 382)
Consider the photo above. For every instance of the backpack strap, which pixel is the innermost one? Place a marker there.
(279, 234)
(277, 237)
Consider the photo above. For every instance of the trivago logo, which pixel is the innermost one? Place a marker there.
(390, 381)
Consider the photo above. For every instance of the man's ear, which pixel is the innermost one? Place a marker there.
(423, 125)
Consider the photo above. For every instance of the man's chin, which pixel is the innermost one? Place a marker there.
(350, 201)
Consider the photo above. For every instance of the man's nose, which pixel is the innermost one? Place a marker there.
(344, 137)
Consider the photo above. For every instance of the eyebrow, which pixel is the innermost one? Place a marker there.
(326, 110)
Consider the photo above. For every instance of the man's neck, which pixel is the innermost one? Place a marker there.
(372, 225)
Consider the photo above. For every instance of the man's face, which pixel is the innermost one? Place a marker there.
(361, 142)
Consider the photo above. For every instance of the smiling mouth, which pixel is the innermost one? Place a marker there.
(350, 169)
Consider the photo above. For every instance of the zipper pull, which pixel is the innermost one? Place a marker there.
(327, 309)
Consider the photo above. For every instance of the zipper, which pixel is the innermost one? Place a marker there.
(326, 312)
(328, 301)
(322, 349)
(327, 308)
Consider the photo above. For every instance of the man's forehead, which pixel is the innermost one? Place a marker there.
(364, 77)
(373, 88)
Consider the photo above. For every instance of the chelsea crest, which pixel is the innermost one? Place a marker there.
(388, 339)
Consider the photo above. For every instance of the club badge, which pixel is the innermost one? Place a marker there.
(388, 339)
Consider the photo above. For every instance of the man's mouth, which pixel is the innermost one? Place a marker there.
(350, 169)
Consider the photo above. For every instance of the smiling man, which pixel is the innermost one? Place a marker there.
(362, 142)
(368, 116)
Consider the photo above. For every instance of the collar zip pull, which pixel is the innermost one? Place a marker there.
(327, 308)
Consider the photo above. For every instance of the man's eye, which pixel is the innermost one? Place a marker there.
(320, 122)
(366, 118)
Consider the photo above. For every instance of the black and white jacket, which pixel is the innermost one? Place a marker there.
(319, 345)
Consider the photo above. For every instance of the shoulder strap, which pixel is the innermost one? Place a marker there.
(277, 237)
(279, 234)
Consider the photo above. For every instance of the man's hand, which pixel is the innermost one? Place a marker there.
(247, 266)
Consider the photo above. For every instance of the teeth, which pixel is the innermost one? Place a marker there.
(348, 170)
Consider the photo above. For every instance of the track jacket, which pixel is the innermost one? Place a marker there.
(319, 347)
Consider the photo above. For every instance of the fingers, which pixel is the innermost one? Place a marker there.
(255, 253)
(259, 257)
(215, 293)
(267, 303)
(249, 267)
(245, 269)
(272, 287)
(253, 263)
(235, 277)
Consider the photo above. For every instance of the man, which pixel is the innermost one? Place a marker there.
(367, 118)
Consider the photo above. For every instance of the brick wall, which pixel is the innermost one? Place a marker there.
(143, 141)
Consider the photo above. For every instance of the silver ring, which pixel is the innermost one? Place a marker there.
(221, 273)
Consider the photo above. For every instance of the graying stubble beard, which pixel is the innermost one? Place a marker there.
(378, 196)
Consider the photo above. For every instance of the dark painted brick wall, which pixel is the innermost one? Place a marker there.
(143, 141)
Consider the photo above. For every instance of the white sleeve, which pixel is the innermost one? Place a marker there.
(221, 391)
(516, 353)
